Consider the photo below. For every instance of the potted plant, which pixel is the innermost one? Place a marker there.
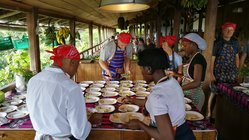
(19, 64)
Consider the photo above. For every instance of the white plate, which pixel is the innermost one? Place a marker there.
(126, 93)
(139, 89)
(19, 97)
(124, 89)
(187, 107)
(141, 85)
(125, 117)
(99, 82)
(17, 114)
(93, 89)
(113, 82)
(107, 101)
(126, 81)
(187, 100)
(246, 91)
(8, 109)
(108, 89)
(142, 93)
(83, 85)
(126, 85)
(97, 85)
(244, 84)
(104, 108)
(22, 108)
(112, 85)
(12, 102)
(193, 116)
(128, 108)
(149, 89)
(86, 82)
(109, 94)
(140, 81)
(91, 99)
(3, 114)
(93, 93)
(239, 88)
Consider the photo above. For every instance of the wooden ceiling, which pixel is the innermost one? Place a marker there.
(80, 9)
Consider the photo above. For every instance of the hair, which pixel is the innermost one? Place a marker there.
(155, 58)
(141, 40)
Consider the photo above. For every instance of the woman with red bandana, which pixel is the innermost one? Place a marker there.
(115, 57)
(175, 60)
(55, 102)
(225, 60)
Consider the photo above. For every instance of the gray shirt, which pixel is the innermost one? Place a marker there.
(109, 49)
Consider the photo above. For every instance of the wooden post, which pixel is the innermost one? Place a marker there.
(72, 32)
(209, 34)
(103, 33)
(145, 31)
(177, 22)
(90, 36)
(35, 62)
(99, 34)
(158, 31)
(151, 29)
(140, 31)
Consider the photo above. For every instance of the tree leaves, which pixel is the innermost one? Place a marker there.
(195, 4)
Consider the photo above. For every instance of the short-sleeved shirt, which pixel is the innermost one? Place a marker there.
(198, 59)
(109, 49)
(177, 60)
(167, 98)
(220, 43)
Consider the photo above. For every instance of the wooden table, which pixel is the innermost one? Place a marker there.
(101, 134)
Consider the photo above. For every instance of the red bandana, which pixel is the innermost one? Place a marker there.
(228, 24)
(124, 37)
(64, 51)
(169, 39)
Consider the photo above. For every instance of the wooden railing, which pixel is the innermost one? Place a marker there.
(95, 50)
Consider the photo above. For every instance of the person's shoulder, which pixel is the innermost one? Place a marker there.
(109, 45)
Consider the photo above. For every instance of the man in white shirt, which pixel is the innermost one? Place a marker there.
(55, 102)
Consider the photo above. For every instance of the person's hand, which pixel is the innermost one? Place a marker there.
(120, 70)
(108, 76)
(212, 77)
(133, 124)
(95, 118)
(171, 73)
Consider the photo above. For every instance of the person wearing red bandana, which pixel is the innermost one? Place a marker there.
(225, 60)
(56, 106)
(175, 60)
(115, 57)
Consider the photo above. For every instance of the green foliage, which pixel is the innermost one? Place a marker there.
(244, 71)
(196, 4)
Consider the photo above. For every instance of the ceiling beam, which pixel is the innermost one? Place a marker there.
(9, 14)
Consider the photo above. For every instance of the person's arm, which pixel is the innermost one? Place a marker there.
(237, 60)
(180, 71)
(127, 65)
(197, 78)
(212, 77)
(76, 114)
(164, 130)
(242, 59)
(104, 66)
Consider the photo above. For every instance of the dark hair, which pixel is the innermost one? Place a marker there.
(155, 58)
(141, 40)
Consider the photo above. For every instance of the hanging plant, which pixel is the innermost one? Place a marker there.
(195, 4)
(50, 35)
(62, 34)
(77, 35)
